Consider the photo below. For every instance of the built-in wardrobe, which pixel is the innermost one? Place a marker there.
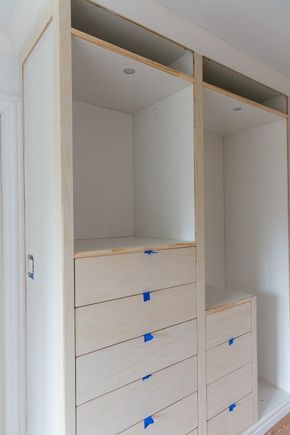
(156, 234)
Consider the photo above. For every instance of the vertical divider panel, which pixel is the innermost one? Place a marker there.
(200, 249)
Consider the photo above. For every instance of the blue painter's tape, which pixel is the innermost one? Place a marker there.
(148, 337)
(146, 377)
(148, 421)
(150, 252)
(146, 296)
(232, 407)
(231, 341)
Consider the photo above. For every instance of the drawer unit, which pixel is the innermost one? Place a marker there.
(108, 323)
(229, 323)
(104, 278)
(225, 358)
(125, 407)
(229, 390)
(177, 419)
(233, 422)
(108, 369)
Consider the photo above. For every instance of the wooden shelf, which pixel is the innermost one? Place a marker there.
(218, 299)
(124, 245)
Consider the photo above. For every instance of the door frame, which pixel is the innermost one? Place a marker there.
(12, 313)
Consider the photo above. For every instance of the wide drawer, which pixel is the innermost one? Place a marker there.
(177, 419)
(234, 422)
(228, 390)
(125, 407)
(108, 369)
(110, 277)
(227, 324)
(225, 358)
(111, 322)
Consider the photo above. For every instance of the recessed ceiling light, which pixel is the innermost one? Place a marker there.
(237, 109)
(129, 71)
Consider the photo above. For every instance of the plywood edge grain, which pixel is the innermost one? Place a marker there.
(228, 305)
(130, 250)
(121, 51)
(244, 100)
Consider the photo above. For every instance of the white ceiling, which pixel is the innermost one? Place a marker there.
(259, 27)
(6, 12)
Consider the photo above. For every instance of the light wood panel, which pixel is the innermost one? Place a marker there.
(235, 422)
(100, 372)
(110, 277)
(199, 228)
(228, 390)
(108, 323)
(220, 299)
(130, 55)
(125, 245)
(224, 359)
(177, 419)
(230, 323)
(131, 404)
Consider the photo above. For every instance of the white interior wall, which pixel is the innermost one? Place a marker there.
(256, 215)
(9, 74)
(214, 210)
(103, 172)
(184, 64)
(43, 240)
(163, 168)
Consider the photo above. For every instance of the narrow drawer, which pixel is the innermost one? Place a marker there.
(235, 422)
(177, 419)
(100, 279)
(108, 323)
(108, 369)
(229, 323)
(229, 389)
(125, 407)
(225, 358)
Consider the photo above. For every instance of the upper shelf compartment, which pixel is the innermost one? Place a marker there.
(96, 21)
(240, 85)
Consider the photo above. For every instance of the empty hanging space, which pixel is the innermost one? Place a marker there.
(133, 152)
(246, 255)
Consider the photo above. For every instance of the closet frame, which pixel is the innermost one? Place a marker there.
(59, 17)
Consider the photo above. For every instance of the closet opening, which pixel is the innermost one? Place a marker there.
(101, 23)
(215, 74)
(246, 227)
(133, 152)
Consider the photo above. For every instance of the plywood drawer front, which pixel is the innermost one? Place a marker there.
(229, 323)
(235, 422)
(108, 323)
(177, 419)
(110, 277)
(224, 359)
(108, 369)
(229, 389)
(125, 407)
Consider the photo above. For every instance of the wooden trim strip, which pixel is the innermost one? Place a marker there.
(244, 100)
(121, 51)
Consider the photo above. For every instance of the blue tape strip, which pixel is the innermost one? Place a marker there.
(146, 377)
(150, 252)
(148, 337)
(148, 421)
(146, 296)
(231, 341)
(232, 407)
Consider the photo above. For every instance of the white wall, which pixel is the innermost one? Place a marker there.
(214, 210)
(257, 238)
(163, 168)
(9, 74)
(103, 172)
